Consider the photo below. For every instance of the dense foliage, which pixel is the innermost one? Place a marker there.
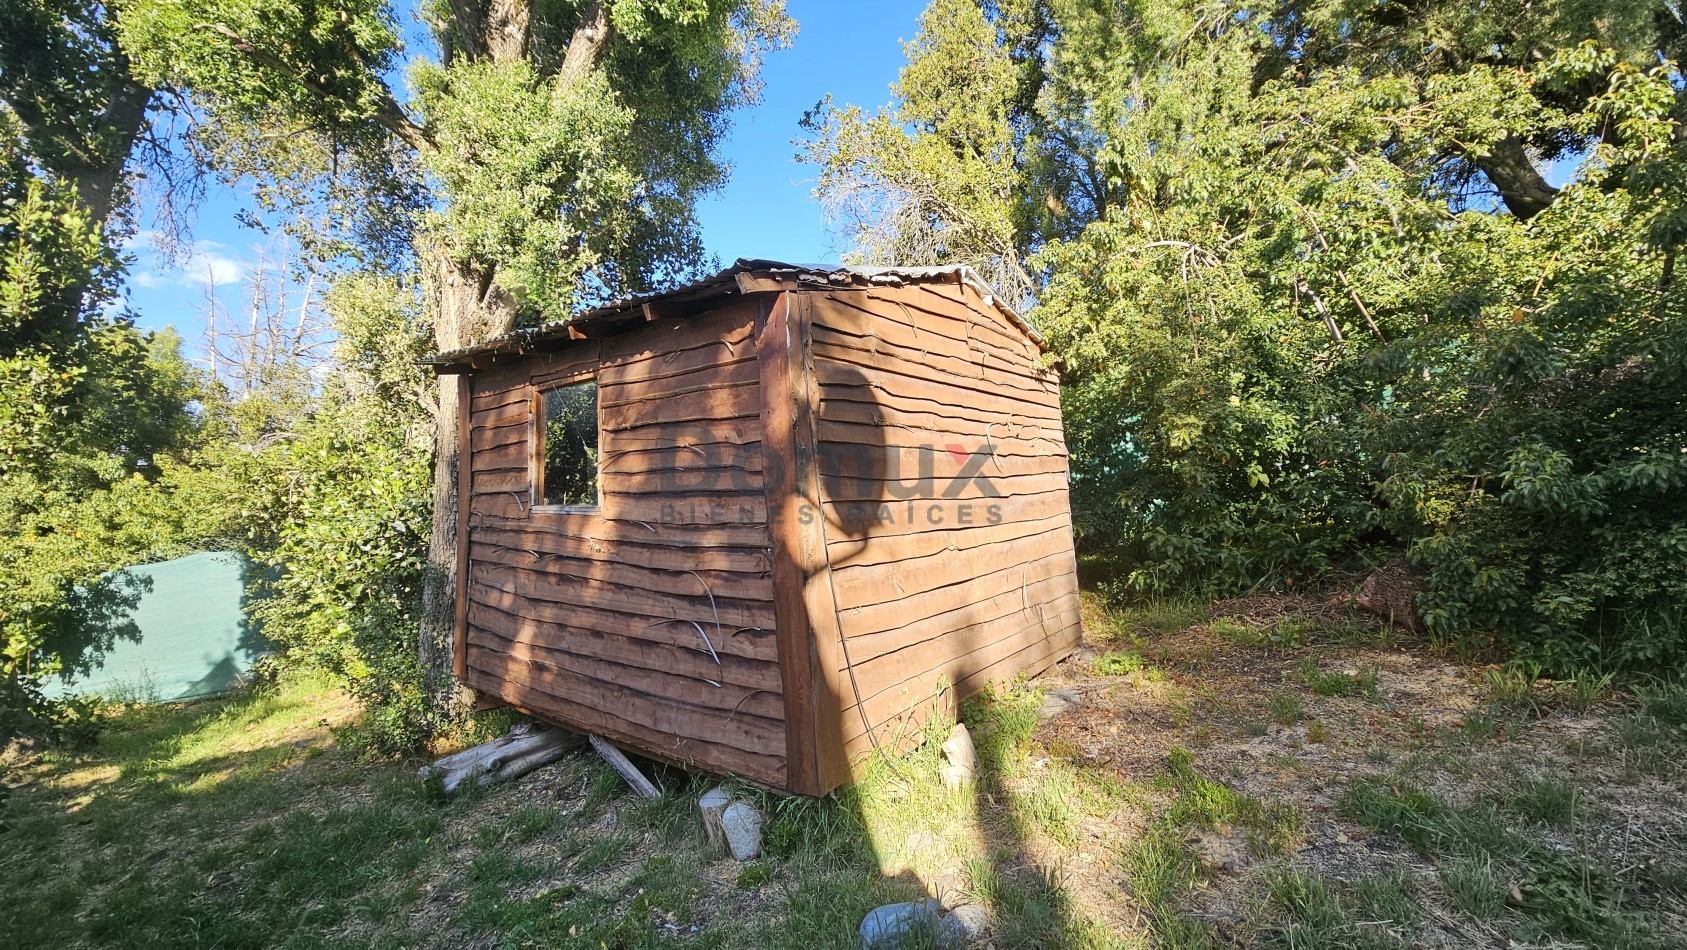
(551, 153)
(92, 412)
(340, 512)
(554, 157)
(1317, 299)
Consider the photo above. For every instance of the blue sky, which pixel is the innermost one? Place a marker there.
(850, 50)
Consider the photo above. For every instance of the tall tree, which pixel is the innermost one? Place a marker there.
(940, 176)
(67, 80)
(1343, 278)
(568, 141)
(89, 405)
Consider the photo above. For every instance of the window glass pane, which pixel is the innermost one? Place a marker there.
(570, 476)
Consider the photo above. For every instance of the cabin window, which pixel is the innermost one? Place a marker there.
(567, 453)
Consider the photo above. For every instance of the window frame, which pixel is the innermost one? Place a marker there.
(536, 445)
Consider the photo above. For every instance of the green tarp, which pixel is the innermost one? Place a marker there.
(186, 637)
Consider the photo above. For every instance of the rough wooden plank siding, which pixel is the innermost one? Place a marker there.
(597, 620)
(969, 578)
(827, 509)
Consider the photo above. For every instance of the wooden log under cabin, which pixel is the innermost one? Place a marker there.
(767, 523)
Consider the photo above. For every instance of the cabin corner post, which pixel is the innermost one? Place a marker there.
(813, 743)
(465, 476)
(778, 366)
(833, 699)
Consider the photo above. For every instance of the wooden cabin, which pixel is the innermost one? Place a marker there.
(766, 523)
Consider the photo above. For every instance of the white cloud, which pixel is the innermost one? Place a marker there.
(200, 264)
(210, 264)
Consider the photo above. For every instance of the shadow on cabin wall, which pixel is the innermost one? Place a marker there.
(884, 482)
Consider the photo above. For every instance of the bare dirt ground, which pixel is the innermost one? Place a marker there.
(1233, 690)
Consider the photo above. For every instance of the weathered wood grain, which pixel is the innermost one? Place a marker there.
(750, 642)
(762, 702)
(661, 730)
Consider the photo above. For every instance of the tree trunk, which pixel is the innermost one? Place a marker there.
(508, 29)
(1514, 175)
(470, 308)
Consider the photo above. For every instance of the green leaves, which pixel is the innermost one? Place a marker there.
(50, 253)
(1326, 303)
(322, 63)
(556, 176)
(942, 176)
(545, 179)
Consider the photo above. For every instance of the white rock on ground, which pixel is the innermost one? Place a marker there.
(896, 925)
(963, 758)
(741, 824)
(963, 926)
(887, 927)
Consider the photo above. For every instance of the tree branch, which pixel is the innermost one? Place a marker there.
(587, 45)
(1323, 311)
(1514, 175)
(508, 29)
(468, 26)
(388, 113)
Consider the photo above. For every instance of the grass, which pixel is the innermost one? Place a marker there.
(1294, 631)
(1520, 687)
(1132, 618)
(246, 823)
(1650, 739)
(1118, 663)
(188, 833)
(1201, 802)
(1584, 689)
(1287, 633)
(1560, 895)
(1666, 704)
(1514, 687)
(1161, 870)
(240, 823)
(1341, 683)
(1236, 632)
(1474, 886)
(1548, 801)
(1285, 707)
(1307, 912)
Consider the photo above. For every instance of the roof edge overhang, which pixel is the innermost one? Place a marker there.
(745, 277)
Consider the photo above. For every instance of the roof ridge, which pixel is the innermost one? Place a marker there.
(725, 283)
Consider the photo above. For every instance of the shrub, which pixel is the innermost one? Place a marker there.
(1118, 663)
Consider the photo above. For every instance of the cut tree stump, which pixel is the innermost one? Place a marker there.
(713, 804)
(524, 748)
(619, 762)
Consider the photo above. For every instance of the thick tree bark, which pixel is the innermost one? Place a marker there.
(90, 152)
(471, 309)
(509, 28)
(100, 183)
(586, 46)
(1514, 175)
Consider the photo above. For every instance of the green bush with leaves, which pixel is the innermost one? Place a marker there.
(341, 513)
(1329, 283)
(93, 421)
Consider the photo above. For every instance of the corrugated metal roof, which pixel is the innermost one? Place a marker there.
(726, 283)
